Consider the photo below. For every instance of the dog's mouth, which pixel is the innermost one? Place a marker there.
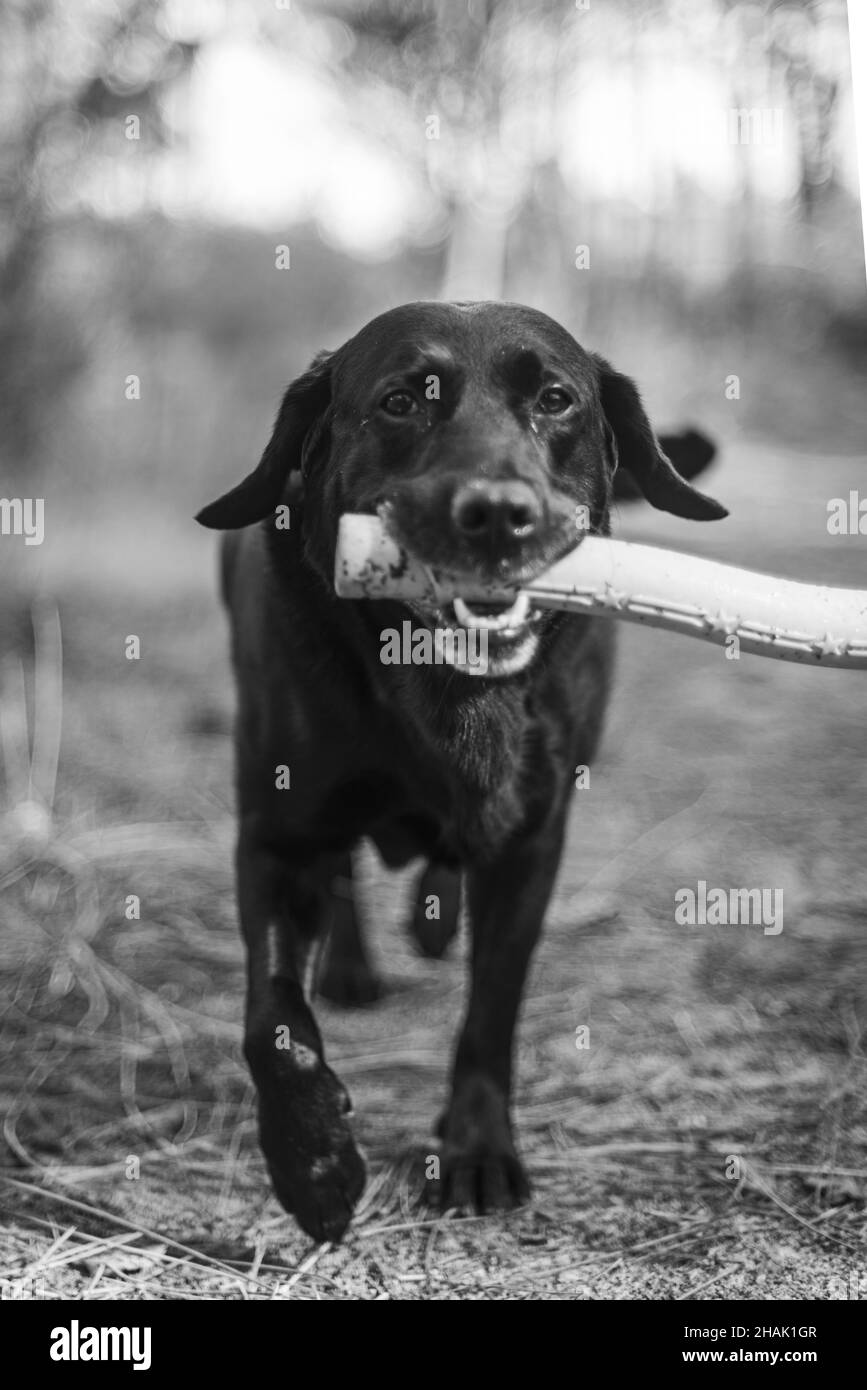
(503, 619)
(483, 637)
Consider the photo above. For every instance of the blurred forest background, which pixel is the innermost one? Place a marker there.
(157, 153)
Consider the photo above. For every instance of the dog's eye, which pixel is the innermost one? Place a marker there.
(554, 401)
(398, 403)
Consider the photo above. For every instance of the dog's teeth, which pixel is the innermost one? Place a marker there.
(513, 617)
(519, 610)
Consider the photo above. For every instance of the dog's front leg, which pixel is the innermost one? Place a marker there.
(507, 901)
(315, 1168)
(347, 976)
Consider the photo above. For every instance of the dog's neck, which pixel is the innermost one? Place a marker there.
(477, 735)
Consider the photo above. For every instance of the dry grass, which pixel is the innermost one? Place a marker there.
(131, 1169)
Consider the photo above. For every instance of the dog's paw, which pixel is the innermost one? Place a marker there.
(316, 1170)
(479, 1165)
(322, 1192)
(483, 1179)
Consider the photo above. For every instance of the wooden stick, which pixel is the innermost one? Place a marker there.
(774, 617)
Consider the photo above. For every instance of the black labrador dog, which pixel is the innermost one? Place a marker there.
(482, 430)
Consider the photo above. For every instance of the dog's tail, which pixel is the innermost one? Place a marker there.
(690, 451)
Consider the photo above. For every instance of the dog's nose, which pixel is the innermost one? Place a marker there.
(496, 513)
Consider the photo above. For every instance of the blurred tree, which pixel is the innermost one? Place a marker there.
(483, 79)
(69, 79)
(479, 76)
(797, 43)
(497, 101)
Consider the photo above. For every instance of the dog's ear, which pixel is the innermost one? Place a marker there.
(260, 492)
(639, 451)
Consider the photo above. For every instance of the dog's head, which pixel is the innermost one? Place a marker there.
(486, 434)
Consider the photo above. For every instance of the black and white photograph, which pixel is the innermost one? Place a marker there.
(433, 665)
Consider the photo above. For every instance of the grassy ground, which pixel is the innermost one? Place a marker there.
(130, 1167)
